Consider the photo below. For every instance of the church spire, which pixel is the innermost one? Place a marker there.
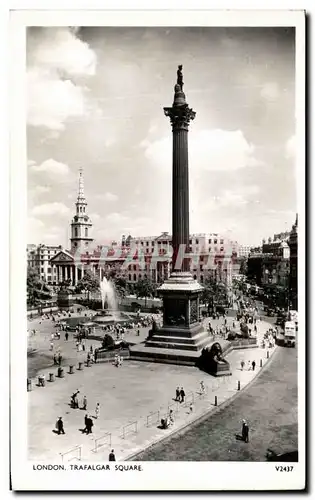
(81, 224)
(81, 197)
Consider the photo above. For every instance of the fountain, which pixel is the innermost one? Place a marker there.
(111, 313)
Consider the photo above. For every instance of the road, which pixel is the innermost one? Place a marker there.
(270, 407)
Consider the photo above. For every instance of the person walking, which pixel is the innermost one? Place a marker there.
(89, 425)
(59, 426)
(66, 336)
(97, 410)
(177, 398)
(55, 360)
(111, 456)
(84, 403)
(202, 387)
(253, 365)
(242, 365)
(51, 345)
(86, 418)
(59, 359)
(249, 366)
(246, 432)
(182, 395)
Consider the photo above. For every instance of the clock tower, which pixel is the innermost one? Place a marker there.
(81, 224)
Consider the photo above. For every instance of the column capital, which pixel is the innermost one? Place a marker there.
(180, 116)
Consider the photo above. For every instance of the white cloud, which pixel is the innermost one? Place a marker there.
(107, 196)
(52, 167)
(290, 147)
(95, 217)
(116, 218)
(40, 189)
(210, 150)
(56, 55)
(51, 101)
(48, 209)
(60, 49)
(270, 91)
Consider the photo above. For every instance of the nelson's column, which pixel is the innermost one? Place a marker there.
(182, 336)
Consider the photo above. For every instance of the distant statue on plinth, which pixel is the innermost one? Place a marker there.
(180, 81)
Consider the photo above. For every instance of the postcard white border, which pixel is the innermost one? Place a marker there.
(177, 476)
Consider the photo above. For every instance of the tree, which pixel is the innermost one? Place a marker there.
(88, 282)
(37, 290)
(145, 288)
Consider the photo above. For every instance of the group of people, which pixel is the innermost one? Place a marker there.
(118, 360)
(251, 365)
(180, 395)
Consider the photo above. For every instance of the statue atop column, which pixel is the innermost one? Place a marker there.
(180, 81)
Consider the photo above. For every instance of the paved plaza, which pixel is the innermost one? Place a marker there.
(133, 398)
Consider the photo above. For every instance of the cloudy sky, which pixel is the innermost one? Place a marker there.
(95, 100)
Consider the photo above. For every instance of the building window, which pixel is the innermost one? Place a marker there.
(221, 242)
(147, 243)
(190, 242)
(76, 232)
(140, 276)
(129, 277)
(215, 241)
(75, 244)
(222, 249)
(195, 276)
(134, 277)
(49, 270)
(201, 278)
(86, 232)
(197, 241)
(134, 267)
(209, 242)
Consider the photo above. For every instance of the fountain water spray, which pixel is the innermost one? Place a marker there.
(108, 294)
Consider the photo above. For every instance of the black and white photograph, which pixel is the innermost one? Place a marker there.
(160, 310)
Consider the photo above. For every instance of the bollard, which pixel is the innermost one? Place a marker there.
(80, 365)
(215, 400)
(260, 363)
(60, 372)
(238, 385)
(267, 354)
(29, 385)
(51, 377)
(70, 369)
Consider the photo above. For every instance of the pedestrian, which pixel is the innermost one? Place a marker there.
(59, 359)
(83, 346)
(182, 395)
(242, 365)
(97, 410)
(51, 345)
(202, 387)
(177, 394)
(84, 403)
(171, 417)
(111, 456)
(66, 336)
(59, 426)
(55, 360)
(86, 422)
(245, 431)
(138, 332)
(89, 425)
(249, 366)
(91, 349)
(253, 365)
(191, 407)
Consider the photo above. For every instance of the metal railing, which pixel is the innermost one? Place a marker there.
(131, 428)
(76, 449)
(99, 442)
(153, 418)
